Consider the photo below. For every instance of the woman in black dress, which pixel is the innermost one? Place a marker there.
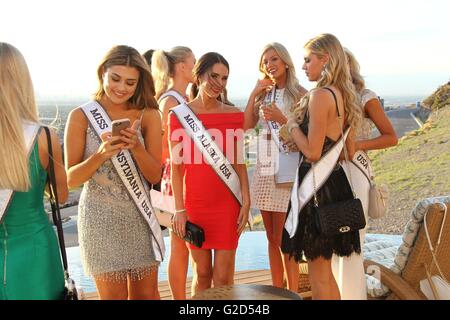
(315, 129)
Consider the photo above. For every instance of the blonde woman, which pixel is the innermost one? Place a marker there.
(349, 271)
(172, 73)
(119, 248)
(315, 129)
(279, 84)
(31, 263)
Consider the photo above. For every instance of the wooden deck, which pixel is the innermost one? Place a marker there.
(240, 277)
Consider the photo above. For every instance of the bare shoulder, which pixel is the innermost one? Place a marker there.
(43, 142)
(231, 109)
(77, 116)
(168, 103)
(321, 95)
(151, 117)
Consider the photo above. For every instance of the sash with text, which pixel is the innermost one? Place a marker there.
(133, 180)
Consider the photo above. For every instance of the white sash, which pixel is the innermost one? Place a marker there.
(212, 153)
(362, 162)
(135, 184)
(287, 161)
(300, 195)
(30, 131)
(273, 125)
(173, 94)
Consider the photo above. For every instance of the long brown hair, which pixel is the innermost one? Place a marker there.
(144, 95)
(203, 66)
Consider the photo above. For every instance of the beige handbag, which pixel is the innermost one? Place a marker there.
(378, 196)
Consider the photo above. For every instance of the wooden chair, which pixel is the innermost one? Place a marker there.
(406, 284)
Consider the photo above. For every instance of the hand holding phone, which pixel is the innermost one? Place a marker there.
(117, 126)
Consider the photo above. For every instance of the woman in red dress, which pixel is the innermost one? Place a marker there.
(200, 195)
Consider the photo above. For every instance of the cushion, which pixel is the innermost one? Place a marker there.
(393, 251)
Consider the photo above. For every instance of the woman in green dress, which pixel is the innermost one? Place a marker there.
(30, 262)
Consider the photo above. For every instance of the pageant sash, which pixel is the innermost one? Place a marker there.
(300, 195)
(211, 152)
(287, 161)
(173, 94)
(362, 162)
(30, 131)
(273, 125)
(129, 174)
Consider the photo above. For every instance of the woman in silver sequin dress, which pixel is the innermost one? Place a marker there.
(278, 70)
(115, 240)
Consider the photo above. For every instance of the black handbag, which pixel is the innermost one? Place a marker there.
(194, 234)
(70, 290)
(342, 216)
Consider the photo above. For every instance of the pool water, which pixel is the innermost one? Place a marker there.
(251, 255)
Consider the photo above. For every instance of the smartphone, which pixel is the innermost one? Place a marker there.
(118, 125)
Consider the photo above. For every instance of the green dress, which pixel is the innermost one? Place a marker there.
(30, 262)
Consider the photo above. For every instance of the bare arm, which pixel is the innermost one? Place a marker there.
(241, 170)
(387, 137)
(165, 105)
(78, 170)
(320, 105)
(176, 177)
(250, 117)
(58, 164)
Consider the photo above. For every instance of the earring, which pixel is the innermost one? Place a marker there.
(323, 72)
(287, 67)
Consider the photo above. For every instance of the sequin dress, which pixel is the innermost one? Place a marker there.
(265, 194)
(115, 240)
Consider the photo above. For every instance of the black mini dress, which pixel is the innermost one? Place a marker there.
(307, 242)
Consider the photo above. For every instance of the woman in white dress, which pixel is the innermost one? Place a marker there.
(172, 73)
(349, 271)
(278, 72)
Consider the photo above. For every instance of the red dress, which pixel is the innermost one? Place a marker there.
(208, 201)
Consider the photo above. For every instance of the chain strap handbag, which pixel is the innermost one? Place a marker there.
(343, 216)
(70, 290)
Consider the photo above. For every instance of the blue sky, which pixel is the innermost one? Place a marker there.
(403, 46)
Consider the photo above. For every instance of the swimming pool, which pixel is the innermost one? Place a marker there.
(251, 255)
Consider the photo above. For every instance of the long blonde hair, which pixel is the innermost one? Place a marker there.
(293, 92)
(336, 73)
(163, 66)
(357, 79)
(143, 96)
(17, 103)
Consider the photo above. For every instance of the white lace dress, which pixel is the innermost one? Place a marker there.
(265, 194)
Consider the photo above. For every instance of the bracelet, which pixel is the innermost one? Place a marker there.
(180, 211)
(292, 125)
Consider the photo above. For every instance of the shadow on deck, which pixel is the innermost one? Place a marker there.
(240, 277)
